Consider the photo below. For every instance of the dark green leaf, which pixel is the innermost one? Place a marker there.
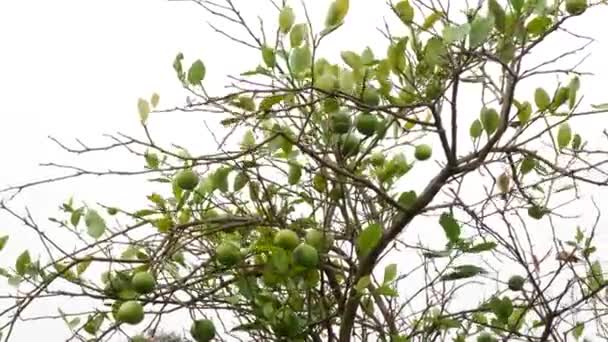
(369, 238)
(196, 73)
(482, 247)
(23, 263)
(450, 227)
(3, 241)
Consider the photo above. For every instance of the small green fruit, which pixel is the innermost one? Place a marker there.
(318, 239)
(202, 330)
(516, 283)
(371, 96)
(331, 105)
(327, 82)
(228, 254)
(485, 337)
(576, 7)
(340, 122)
(306, 255)
(187, 179)
(536, 212)
(286, 239)
(112, 211)
(349, 145)
(377, 159)
(423, 152)
(130, 312)
(366, 124)
(143, 282)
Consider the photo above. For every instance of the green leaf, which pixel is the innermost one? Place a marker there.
(152, 160)
(294, 174)
(490, 119)
(154, 99)
(297, 35)
(407, 198)
(396, 55)
(463, 272)
(3, 241)
(564, 135)
(405, 11)
(280, 260)
(300, 59)
(268, 102)
(94, 323)
(367, 56)
(595, 276)
(96, 225)
(450, 227)
(517, 5)
(524, 112)
(502, 308)
(390, 273)
(286, 19)
(538, 25)
(577, 332)
(22, 263)
(482, 247)
(352, 59)
(576, 142)
(573, 86)
(431, 20)
(498, 13)
(480, 31)
(268, 56)
(336, 13)
(453, 33)
(369, 238)
(476, 129)
(240, 181)
(219, 179)
(248, 141)
(363, 283)
(83, 265)
(196, 73)
(434, 51)
(527, 165)
(386, 290)
(144, 109)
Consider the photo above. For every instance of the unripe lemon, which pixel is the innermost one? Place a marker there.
(143, 282)
(366, 124)
(286, 239)
(340, 122)
(187, 179)
(228, 254)
(423, 152)
(131, 312)
(306, 255)
(516, 283)
(202, 330)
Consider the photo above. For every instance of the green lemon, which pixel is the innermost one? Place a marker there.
(187, 179)
(306, 255)
(340, 122)
(228, 254)
(202, 330)
(423, 152)
(131, 312)
(366, 124)
(516, 283)
(143, 282)
(286, 239)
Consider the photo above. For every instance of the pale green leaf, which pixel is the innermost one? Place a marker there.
(450, 227)
(369, 238)
(96, 225)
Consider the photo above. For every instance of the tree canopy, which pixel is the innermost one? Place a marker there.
(433, 189)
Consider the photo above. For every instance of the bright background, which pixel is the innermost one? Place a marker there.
(74, 69)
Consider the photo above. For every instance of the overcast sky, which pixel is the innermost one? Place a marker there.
(74, 69)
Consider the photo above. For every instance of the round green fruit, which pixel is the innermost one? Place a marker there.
(228, 254)
(327, 82)
(349, 145)
(485, 337)
(202, 330)
(366, 124)
(286, 239)
(318, 239)
(131, 312)
(371, 96)
(340, 122)
(536, 212)
(516, 283)
(306, 255)
(187, 179)
(576, 7)
(377, 159)
(331, 105)
(423, 152)
(143, 282)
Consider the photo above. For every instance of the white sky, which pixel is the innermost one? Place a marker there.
(74, 69)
